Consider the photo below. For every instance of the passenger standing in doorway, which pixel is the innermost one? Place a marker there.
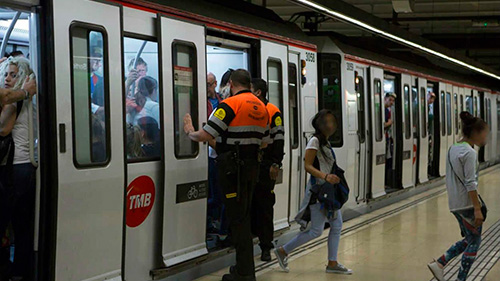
(239, 125)
(17, 174)
(462, 173)
(431, 97)
(319, 161)
(390, 99)
(270, 166)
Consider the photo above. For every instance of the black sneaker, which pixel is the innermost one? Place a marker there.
(236, 277)
(265, 255)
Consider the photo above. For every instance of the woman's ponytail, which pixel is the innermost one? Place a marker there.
(471, 124)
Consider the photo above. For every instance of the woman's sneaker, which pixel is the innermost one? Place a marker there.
(338, 269)
(436, 270)
(282, 259)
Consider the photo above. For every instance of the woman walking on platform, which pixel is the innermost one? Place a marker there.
(464, 201)
(319, 161)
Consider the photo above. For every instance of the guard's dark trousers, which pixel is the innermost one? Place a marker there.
(262, 209)
(238, 207)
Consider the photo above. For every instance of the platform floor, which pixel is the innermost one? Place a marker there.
(396, 247)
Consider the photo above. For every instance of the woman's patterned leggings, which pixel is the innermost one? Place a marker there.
(468, 246)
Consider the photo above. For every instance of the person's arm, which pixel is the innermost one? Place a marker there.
(212, 143)
(309, 165)
(8, 96)
(7, 119)
(198, 136)
(470, 182)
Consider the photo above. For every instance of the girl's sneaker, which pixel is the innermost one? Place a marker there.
(338, 269)
(436, 270)
(282, 259)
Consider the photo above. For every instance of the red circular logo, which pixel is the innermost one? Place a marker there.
(140, 200)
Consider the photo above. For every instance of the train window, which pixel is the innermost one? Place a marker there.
(89, 87)
(406, 92)
(330, 96)
(498, 115)
(293, 93)
(461, 103)
(185, 96)
(360, 91)
(442, 113)
(275, 82)
(455, 97)
(489, 112)
(448, 113)
(142, 99)
(414, 92)
(378, 109)
(476, 107)
(423, 113)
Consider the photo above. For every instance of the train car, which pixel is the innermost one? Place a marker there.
(353, 82)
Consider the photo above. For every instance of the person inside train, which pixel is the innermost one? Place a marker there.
(270, 166)
(465, 203)
(150, 134)
(135, 71)
(319, 162)
(96, 81)
(9, 95)
(134, 142)
(431, 97)
(144, 91)
(389, 100)
(17, 174)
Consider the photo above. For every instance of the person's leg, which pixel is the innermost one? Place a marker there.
(6, 194)
(334, 238)
(318, 220)
(23, 219)
(457, 248)
(266, 215)
(473, 238)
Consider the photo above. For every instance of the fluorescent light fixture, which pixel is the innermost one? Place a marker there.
(392, 36)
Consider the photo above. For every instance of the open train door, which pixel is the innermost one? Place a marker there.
(378, 137)
(443, 147)
(90, 160)
(423, 157)
(274, 69)
(186, 162)
(407, 157)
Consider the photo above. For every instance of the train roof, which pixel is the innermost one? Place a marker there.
(379, 50)
(239, 13)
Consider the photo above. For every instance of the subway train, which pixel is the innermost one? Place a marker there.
(107, 210)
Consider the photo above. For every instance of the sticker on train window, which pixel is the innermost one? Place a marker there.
(310, 57)
(350, 66)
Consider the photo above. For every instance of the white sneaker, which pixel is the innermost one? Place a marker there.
(282, 259)
(339, 269)
(436, 270)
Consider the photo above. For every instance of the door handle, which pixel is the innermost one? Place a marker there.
(62, 138)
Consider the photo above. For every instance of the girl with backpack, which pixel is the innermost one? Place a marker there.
(462, 172)
(319, 163)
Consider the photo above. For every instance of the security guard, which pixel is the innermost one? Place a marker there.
(239, 126)
(263, 196)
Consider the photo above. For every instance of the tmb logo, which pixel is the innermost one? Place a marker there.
(140, 200)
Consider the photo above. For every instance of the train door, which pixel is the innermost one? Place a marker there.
(496, 130)
(423, 148)
(294, 125)
(461, 108)
(362, 151)
(442, 126)
(487, 118)
(274, 69)
(378, 141)
(434, 131)
(186, 169)
(415, 101)
(481, 105)
(91, 173)
(449, 116)
(407, 143)
(144, 195)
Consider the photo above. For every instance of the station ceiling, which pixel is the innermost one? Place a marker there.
(470, 27)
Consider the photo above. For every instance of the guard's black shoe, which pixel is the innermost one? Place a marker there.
(265, 256)
(233, 276)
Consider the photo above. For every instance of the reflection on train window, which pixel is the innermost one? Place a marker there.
(360, 91)
(185, 96)
(448, 113)
(407, 121)
(330, 96)
(423, 113)
(416, 121)
(293, 104)
(275, 82)
(378, 109)
(89, 96)
(443, 116)
(455, 97)
(142, 99)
